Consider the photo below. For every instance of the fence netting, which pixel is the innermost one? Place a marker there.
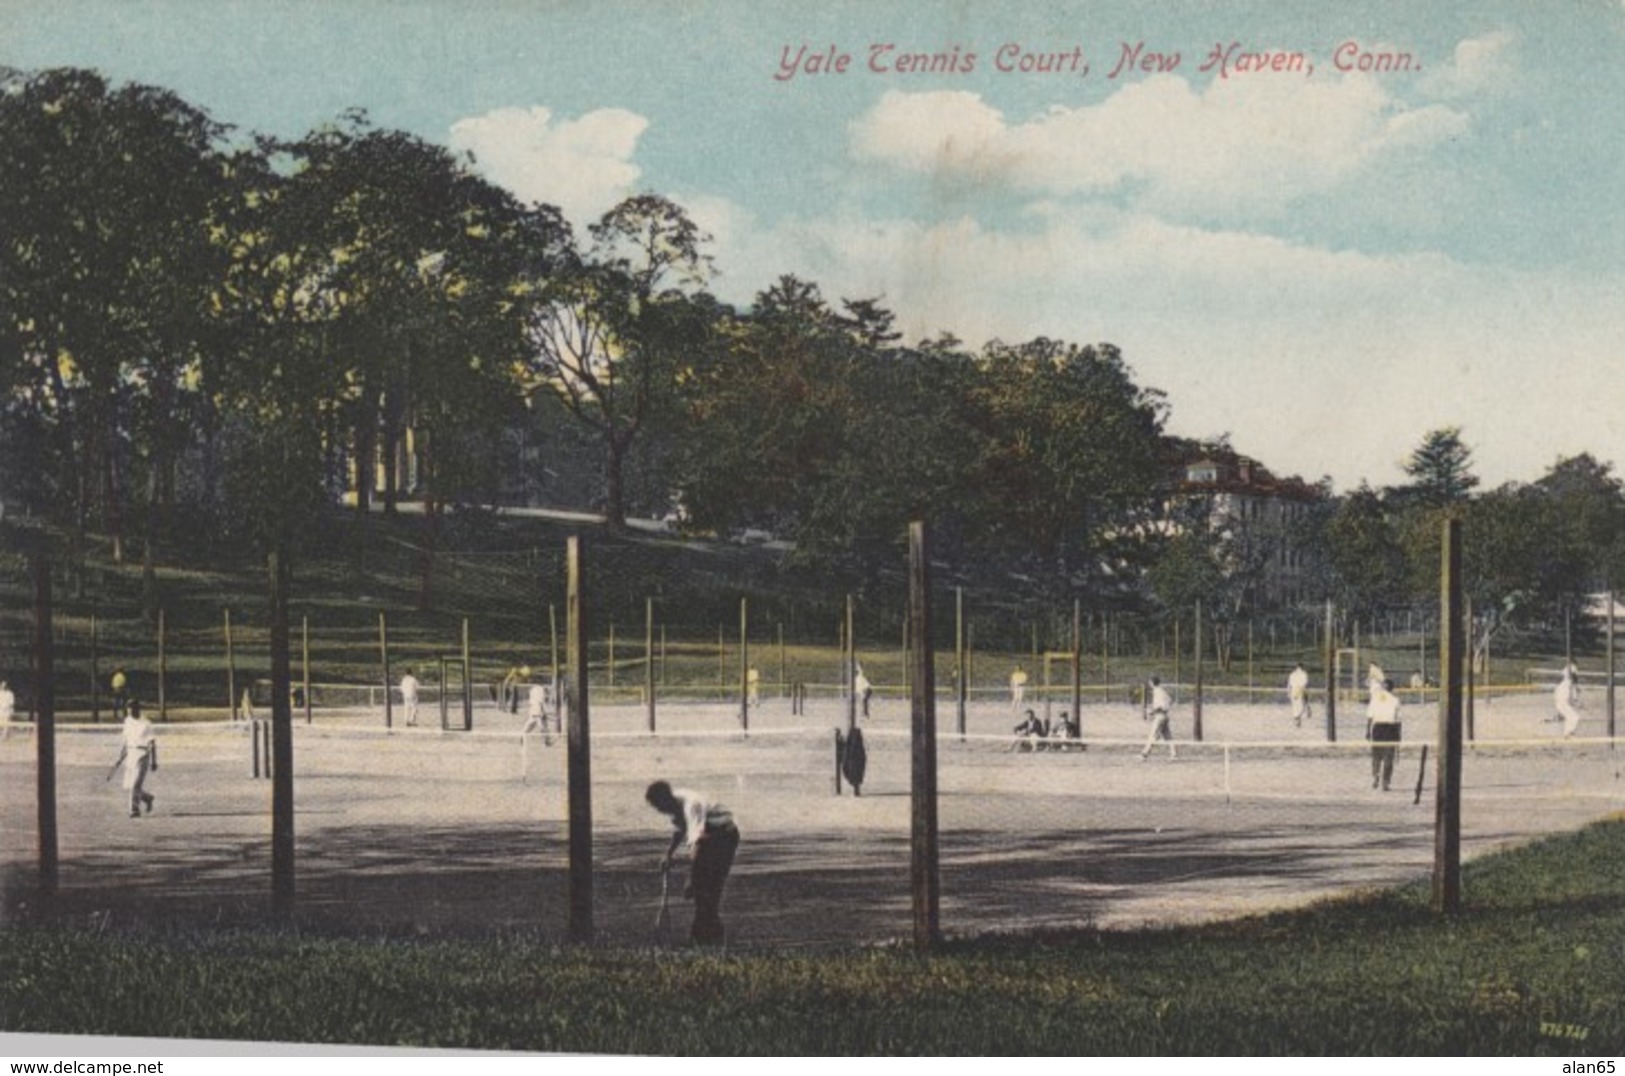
(449, 813)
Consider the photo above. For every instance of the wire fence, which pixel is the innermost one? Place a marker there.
(1059, 804)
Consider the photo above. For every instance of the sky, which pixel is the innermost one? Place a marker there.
(1322, 229)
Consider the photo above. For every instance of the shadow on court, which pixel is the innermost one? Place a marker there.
(787, 889)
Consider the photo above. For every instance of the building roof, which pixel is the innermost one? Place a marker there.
(1233, 473)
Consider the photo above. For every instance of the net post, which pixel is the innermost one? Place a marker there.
(1446, 887)
(924, 873)
(838, 749)
(578, 749)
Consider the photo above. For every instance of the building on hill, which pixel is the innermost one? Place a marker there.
(1255, 514)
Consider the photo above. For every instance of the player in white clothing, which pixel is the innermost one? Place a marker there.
(1297, 691)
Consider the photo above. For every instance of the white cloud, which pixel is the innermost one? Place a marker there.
(583, 166)
(1237, 144)
(1484, 64)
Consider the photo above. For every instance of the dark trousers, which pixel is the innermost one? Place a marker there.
(1384, 736)
(713, 859)
(138, 792)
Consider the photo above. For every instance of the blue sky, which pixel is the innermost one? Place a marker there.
(1322, 264)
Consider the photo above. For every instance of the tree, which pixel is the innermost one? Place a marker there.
(1071, 454)
(610, 329)
(1440, 469)
(1363, 551)
(107, 260)
(810, 424)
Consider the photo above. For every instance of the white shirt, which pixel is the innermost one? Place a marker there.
(1384, 709)
(1160, 699)
(8, 704)
(697, 813)
(1298, 682)
(137, 734)
(538, 700)
(409, 688)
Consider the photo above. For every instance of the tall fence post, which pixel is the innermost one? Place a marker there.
(1196, 658)
(744, 664)
(383, 659)
(924, 876)
(1331, 676)
(281, 754)
(578, 748)
(231, 670)
(95, 672)
(1105, 658)
(44, 673)
(163, 670)
(961, 665)
(1077, 665)
(1447, 814)
(649, 659)
(304, 653)
(468, 680)
(553, 643)
(849, 667)
(1470, 642)
(1610, 689)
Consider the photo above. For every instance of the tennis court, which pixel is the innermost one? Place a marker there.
(439, 832)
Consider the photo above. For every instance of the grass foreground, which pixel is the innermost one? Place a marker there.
(1534, 964)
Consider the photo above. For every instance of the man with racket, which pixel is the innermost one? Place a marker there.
(1160, 703)
(138, 754)
(706, 829)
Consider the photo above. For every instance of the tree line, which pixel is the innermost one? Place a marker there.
(210, 336)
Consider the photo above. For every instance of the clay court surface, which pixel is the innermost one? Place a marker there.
(430, 832)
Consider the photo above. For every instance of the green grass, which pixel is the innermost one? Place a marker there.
(1532, 965)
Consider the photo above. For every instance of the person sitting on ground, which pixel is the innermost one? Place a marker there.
(1029, 732)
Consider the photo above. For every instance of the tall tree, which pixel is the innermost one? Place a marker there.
(107, 260)
(1071, 451)
(1364, 553)
(610, 329)
(1440, 470)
